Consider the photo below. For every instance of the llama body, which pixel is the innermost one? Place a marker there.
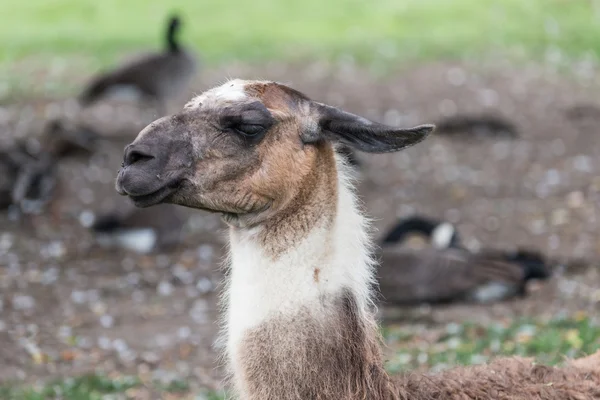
(299, 320)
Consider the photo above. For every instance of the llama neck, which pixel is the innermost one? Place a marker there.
(294, 319)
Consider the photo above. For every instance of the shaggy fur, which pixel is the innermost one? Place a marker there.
(507, 379)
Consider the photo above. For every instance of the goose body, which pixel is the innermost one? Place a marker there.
(446, 274)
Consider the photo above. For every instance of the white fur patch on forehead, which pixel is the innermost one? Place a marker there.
(231, 91)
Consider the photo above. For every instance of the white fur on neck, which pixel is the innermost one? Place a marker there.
(261, 288)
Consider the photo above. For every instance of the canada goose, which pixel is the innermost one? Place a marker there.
(155, 77)
(451, 273)
(11, 163)
(28, 177)
(140, 229)
(485, 125)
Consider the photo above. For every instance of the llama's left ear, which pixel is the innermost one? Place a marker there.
(360, 133)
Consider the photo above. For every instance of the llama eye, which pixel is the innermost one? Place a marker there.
(249, 129)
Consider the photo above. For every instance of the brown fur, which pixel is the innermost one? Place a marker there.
(506, 379)
(308, 199)
(304, 357)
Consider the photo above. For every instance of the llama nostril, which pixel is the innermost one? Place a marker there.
(132, 156)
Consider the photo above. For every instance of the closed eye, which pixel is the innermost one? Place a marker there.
(249, 129)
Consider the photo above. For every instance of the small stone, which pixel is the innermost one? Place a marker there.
(49, 276)
(583, 163)
(199, 311)
(575, 199)
(56, 249)
(204, 285)
(99, 308)
(84, 342)
(205, 252)
(6, 241)
(184, 332)
(119, 345)
(104, 343)
(87, 218)
(183, 274)
(559, 217)
(150, 358)
(65, 332)
(165, 288)
(23, 302)
(552, 177)
(78, 296)
(453, 343)
(453, 328)
(107, 321)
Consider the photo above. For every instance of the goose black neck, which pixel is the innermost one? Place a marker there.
(172, 44)
(533, 264)
(409, 226)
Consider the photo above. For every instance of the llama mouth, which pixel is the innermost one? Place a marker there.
(156, 197)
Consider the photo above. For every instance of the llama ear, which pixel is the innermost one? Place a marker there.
(360, 133)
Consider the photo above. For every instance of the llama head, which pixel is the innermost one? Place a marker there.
(245, 149)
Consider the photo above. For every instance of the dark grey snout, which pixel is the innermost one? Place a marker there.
(155, 164)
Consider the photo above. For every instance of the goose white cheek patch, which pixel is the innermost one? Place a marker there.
(442, 235)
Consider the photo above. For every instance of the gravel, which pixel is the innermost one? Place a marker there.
(69, 306)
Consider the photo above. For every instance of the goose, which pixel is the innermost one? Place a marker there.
(140, 230)
(447, 272)
(155, 77)
(28, 173)
(484, 125)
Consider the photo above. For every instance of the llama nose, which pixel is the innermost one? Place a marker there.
(134, 154)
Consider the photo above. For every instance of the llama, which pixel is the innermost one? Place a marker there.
(299, 317)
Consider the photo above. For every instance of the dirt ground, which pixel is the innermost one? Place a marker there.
(68, 306)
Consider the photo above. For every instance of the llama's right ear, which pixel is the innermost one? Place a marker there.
(360, 133)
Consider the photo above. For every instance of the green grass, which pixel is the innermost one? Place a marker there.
(50, 46)
(280, 29)
(97, 387)
(470, 343)
(549, 342)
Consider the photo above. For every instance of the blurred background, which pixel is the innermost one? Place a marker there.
(98, 299)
